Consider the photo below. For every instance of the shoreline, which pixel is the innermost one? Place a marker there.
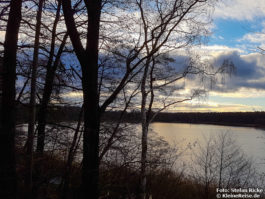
(256, 126)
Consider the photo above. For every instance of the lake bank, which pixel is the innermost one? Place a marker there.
(241, 119)
(257, 126)
(71, 113)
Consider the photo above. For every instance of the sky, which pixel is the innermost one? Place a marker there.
(237, 34)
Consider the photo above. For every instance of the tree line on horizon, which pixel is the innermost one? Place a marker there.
(71, 114)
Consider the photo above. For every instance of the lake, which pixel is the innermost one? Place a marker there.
(187, 136)
(250, 140)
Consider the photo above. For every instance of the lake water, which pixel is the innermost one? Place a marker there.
(187, 136)
(250, 140)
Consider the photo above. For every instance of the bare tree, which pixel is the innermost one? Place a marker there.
(154, 32)
(51, 66)
(162, 33)
(32, 114)
(7, 132)
(88, 59)
(206, 171)
(221, 163)
(234, 168)
(71, 155)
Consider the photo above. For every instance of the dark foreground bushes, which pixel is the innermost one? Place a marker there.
(115, 181)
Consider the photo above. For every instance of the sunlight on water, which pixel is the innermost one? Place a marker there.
(187, 136)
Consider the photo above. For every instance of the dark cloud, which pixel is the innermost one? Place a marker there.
(245, 68)
(249, 72)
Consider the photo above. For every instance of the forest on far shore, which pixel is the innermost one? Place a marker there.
(71, 113)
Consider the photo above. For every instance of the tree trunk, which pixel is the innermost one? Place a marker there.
(143, 159)
(42, 115)
(51, 69)
(8, 181)
(90, 170)
(71, 155)
(32, 112)
(88, 59)
(145, 125)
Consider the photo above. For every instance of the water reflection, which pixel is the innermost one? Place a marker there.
(187, 136)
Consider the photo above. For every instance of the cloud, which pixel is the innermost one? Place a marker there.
(247, 82)
(253, 38)
(73, 94)
(246, 68)
(248, 79)
(256, 38)
(240, 9)
(215, 50)
(241, 93)
(210, 106)
(250, 72)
